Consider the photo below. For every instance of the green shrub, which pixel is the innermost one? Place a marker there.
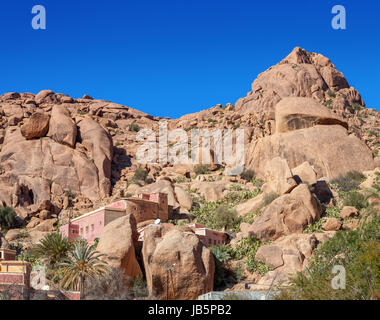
(349, 182)
(134, 127)
(247, 248)
(331, 93)
(247, 175)
(8, 218)
(221, 252)
(225, 217)
(140, 174)
(202, 169)
(358, 251)
(356, 199)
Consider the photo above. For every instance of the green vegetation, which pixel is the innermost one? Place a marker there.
(134, 127)
(81, 263)
(51, 249)
(332, 212)
(205, 212)
(350, 181)
(140, 175)
(8, 218)
(358, 251)
(202, 169)
(356, 199)
(247, 175)
(331, 93)
(225, 217)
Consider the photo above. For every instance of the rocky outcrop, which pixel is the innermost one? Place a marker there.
(300, 113)
(300, 74)
(329, 149)
(36, 127)
(117, 242)
(288, 214)
(100, 147)
(279, 179)
(62, 128)
(286, 256)
(193, 272)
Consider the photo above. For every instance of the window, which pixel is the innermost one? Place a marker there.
(209, 241)
(92, 227)
(73, 231)
(86, 229)
(214, 242)
(81, 230)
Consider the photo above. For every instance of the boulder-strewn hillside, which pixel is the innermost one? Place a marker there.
(304, 127)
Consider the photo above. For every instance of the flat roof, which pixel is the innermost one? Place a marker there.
(97, 210)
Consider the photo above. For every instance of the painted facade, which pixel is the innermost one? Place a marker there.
(207, 236)
(90, 225)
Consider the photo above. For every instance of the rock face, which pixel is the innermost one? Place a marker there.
(301, 74)
(329, 149)
(36, 127)
(288, 214)
(300, 113)
(193, 273)
(287, 255)
(305, 173)
(117, 242)
(278, 177)
(99, 144)
(62, 128)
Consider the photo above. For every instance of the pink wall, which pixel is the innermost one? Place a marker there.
(91, 226)
(122, 204)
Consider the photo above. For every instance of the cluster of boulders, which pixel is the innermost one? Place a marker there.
(303, 126)
(175, 263)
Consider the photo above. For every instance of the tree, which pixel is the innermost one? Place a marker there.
(82, 263)
(225, 217)
(7, 218)
(52, 249)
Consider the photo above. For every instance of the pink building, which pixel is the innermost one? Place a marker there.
(207, 236)
(90, 225)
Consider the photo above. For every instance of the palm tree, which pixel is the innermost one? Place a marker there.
(81, 263)
(52, 249)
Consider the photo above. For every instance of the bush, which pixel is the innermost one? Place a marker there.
(358, 251)
(8, 218)
(356, 199)
(350, 181)
(202, 169)
(134, 127)
(247, 175)
(221, 252)
(331, 93)
(225, 217)
(247, 248)
(140, 174)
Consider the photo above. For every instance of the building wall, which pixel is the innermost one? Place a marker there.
(112, 214)
(142, 210)
(91, 226)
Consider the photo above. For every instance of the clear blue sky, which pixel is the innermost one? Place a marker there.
(174, 57)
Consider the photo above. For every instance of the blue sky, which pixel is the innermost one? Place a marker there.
(175, 57)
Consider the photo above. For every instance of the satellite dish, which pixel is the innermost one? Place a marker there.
(158, 221)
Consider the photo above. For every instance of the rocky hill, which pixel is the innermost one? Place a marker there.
(61, 156)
